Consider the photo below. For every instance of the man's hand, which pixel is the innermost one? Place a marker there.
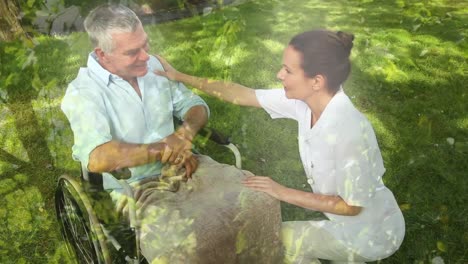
(145, 186)
(191, 165)
(177, 150)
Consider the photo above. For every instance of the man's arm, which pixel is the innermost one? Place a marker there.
(195, 118)
(179, 144)
(178, 147)
(115, 155)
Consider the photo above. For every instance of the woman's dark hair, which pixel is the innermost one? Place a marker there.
(327, 53)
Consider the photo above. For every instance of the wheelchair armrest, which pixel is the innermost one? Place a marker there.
(214, 136)
(94, 179)
(220, 139)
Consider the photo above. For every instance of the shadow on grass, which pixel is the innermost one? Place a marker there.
(28, 170)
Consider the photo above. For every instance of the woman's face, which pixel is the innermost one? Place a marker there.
(295, 82)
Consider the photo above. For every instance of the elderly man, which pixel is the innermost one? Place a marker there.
(121, 115)
(120, 112)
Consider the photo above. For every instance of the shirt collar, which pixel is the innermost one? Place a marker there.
(334, 102)
(331, 109)
(101, 73)
(333, 106)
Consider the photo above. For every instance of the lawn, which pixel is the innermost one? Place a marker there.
(409, 78)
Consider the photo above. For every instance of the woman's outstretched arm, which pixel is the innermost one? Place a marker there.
(226, 91)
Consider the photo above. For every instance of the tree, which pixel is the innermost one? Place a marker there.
(10, 27)
(19, 77)
(17, 17)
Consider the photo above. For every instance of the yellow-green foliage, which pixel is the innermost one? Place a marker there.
(22, 216)
(409, 78)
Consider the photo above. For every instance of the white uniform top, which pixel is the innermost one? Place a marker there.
(341, 157)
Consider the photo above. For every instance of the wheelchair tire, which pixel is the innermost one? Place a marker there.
(80, 227)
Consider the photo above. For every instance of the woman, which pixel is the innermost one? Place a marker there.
(338, 150)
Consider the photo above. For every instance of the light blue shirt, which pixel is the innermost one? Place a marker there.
(101, 107)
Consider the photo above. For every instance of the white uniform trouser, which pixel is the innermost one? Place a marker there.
(306, 243)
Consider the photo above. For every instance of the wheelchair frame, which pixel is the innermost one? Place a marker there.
(86, 236)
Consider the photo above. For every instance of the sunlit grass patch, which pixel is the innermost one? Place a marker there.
(409, 78)
(386, 137)
(462, 123)
(10, 142)
(6, 185)
(273, 46)
(23, 218)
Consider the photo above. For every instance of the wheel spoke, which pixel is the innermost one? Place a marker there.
(75, 228)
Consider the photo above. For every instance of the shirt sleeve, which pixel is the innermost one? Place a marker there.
(88, 119)
(359, 166)
(276, 104)
(182, 98)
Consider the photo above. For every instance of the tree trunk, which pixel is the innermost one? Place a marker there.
(21, 94)
(10, 27)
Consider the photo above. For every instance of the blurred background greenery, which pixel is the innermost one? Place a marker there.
(409, 78)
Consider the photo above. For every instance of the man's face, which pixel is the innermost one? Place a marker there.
(129, 57)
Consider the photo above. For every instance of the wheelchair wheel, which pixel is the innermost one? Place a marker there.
(79, 224)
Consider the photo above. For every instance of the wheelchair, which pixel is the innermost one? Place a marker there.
(93, 231)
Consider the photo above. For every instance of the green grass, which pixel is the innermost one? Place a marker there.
(409, 78)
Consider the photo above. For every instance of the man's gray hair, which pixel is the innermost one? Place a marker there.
(106, 19)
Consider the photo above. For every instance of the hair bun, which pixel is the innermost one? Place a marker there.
(346, 39)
